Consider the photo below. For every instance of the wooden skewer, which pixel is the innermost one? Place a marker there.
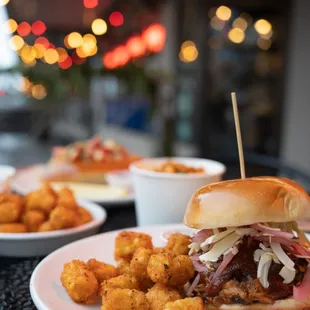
(238, 133)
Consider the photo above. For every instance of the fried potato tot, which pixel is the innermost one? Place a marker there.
(80, 282)
(101, 270)
(44, 199)
(170, 269)
(127, 242)
(13, 228)
(124, 299)
(138, 267)
(159, 250)
(62, 217)
(192, 303)
(66, 198)
(123, 266)
(33, 219)
(178, 244)
(160, 294)
(84, 216)
(11, 208)
(122, 281)
(46, 226)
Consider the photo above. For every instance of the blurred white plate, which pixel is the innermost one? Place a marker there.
(6, 173)
(43, 243)
(29, 179)
(45, 287)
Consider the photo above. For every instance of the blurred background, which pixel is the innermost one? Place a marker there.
(157, 77)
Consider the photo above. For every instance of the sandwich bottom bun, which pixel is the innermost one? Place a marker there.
(285, 304)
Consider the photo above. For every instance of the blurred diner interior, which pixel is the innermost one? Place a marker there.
(156, 76)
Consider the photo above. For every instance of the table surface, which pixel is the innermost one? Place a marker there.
(15, 273)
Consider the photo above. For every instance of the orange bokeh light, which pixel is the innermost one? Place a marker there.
(63, 55)
(24, 29)
(136, 46)
(66, 64)
(116, 19)
(43, 41)
(121, 55)
(90, 4)
(155, 37)
(38, 28)
(108, 60)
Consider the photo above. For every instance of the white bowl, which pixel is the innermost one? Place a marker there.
(120, 178)
(43, 243)
(162, 198)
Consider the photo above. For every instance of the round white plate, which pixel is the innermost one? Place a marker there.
(45, 286)
(43, 243)
(29, 179)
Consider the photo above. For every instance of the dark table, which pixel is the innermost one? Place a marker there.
(15, 273)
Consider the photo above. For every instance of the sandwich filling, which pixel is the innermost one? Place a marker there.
(259, 263)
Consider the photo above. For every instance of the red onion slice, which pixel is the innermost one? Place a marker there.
(193, 285)
(302, 291)
(273, 232)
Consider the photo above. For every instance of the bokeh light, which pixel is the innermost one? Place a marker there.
(81, 53)
(263, 44)
(189, 52)
(262, 26)
(136, 46)
(4, 2)
(25, 85)
(51, 56)
(10, 26)
(89, 43)
(90, 4)
(38, 28)
(267, 36)
(16, 43)
(247, 17)
(66, 64)
(155, 37)
(75, 40)
(217, 23)
(109, 61)
(76, 59)
(62, 54)
(39, 49)
(99, 26)
(38, 91)
(28, 54)
(223, 12)
(236, 35)
(121, 55)
(24, 29)
(66, 42)
(240, 23)
(116, 19)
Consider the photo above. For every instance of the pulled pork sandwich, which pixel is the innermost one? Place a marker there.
(249, 252)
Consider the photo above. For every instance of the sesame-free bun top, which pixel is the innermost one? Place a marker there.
(247, 201)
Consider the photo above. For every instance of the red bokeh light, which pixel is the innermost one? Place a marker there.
(155, 37)
(136, 46)
(116, 19)
(90, 4)
(23, 29)
(66, 64)
(51, 45)
(2, 92)
(43, 41)
(76, 59)
(108, 60)
(38, 28)
(121, 56)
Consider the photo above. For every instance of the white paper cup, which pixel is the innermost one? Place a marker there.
(163, 197)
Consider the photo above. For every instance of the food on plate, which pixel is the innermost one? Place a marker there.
(127, 242)
(80, 282)
(178, 244)
(190, 303)
(124, 299)
(123, 266)
(249, 252)
(13, 228)
(11, 208)
(171, 166)
(41, 211)
(101, 270)
(88, 161)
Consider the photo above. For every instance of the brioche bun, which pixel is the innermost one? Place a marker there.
(285, 304)
(247, 201)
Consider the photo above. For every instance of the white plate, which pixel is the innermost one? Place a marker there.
(45, 287)
(29, 179)
(43, 243)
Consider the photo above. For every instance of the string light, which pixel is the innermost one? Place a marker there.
(24, 29)
(99, 26)
(75, 40)
(136, 46)
(66, 64)
(116, 19)
(236, 35)
(108, 60)
(10, 26)
(189, 52)
(51, 56)
(240, 23)
(223, 12)
(217, 23)
(43, 41)
(4, 2)
(28, 54)
(40, 50)
(38, 91)
(62, 54)
(121, 55)
(38, 28)
(90, 4)
(155, 37)
(16, 43)
(262, 26)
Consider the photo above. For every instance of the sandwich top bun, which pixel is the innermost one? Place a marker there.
(247, 201)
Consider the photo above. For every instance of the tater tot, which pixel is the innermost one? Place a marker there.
(101, 270)
(84, 216)
(33, 219)
(80, 283)
(159, 250)
(127, 242)
(160, 294)
(178, 244)
(62, 217)
(193, 303)
(138, 267)
(170, 269)
(66, 198)
(13, 228)
(11, 207)
(123, 266)
(122, 281)
(124, 299)
(46, 226)
(44, 199)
